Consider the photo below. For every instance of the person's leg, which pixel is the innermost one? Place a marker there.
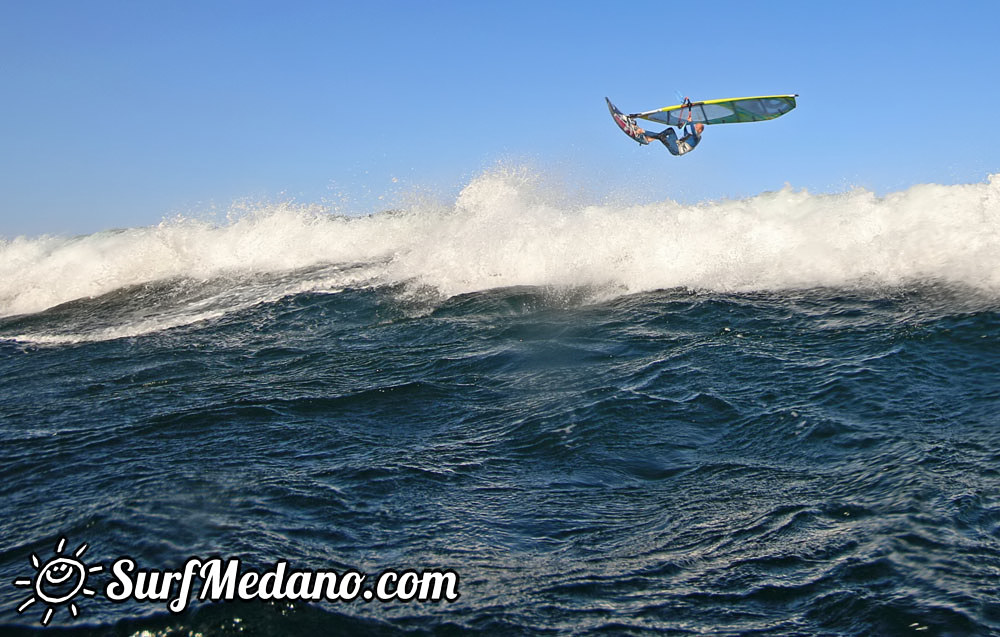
(669, 139)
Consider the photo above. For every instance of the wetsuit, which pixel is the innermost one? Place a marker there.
(683, 145)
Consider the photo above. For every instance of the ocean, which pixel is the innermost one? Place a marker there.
(775, 415)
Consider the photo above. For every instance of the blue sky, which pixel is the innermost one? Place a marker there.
(121, 114)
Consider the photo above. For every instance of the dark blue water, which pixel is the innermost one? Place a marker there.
(813, 462)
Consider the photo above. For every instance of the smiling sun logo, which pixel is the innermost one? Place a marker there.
(58, 581)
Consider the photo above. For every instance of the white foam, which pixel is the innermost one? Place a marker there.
(503, 232)
(506, 228)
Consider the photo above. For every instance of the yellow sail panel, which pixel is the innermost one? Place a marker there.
(727, 111)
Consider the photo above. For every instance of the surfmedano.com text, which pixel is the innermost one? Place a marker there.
(224, 580)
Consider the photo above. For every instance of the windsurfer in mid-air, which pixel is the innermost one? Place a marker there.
(728, 111)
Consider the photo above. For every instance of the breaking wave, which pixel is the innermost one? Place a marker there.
(509, 228)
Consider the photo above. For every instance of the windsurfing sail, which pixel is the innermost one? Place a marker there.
(727, 111)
